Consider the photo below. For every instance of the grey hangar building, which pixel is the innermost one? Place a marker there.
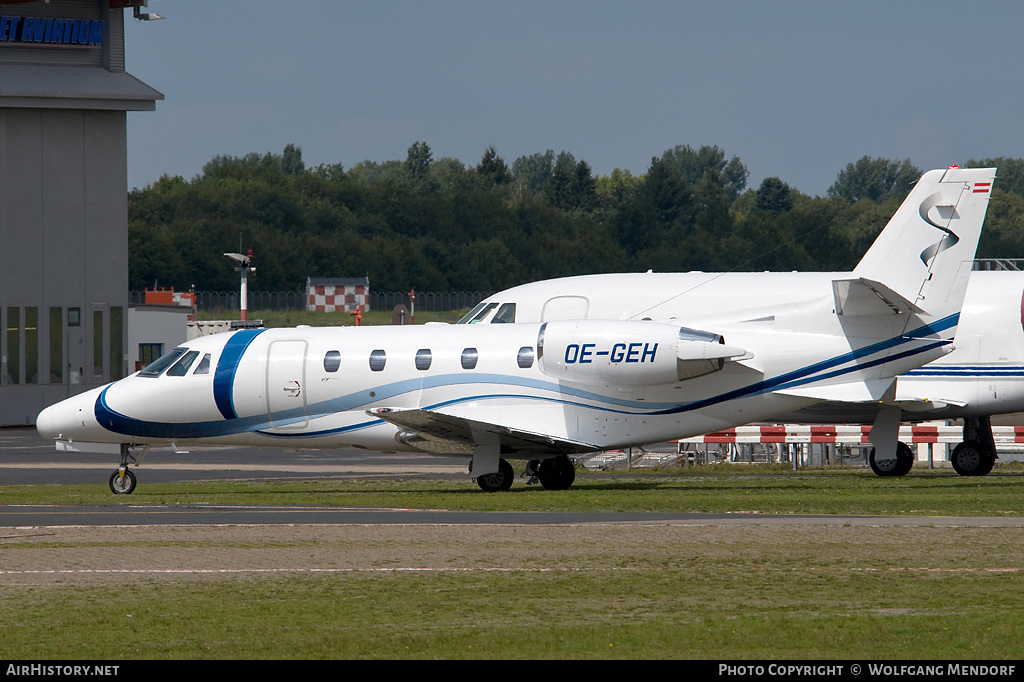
(64, 99)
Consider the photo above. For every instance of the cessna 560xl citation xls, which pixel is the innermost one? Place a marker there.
(545, 390)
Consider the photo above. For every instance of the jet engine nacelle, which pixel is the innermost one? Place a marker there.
(628, 353)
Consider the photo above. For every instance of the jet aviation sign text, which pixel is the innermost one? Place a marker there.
(620, 352)
(43, 31)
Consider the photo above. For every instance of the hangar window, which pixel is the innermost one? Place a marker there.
(180, 368)
(377, 360)
(525, 357)
(506, 314)
(423, 358)
(97, 344)
(14, 345)
(157, 367)
(56, 345)
(332, 361)
(150, 352)
(469, 358)
(31, 345)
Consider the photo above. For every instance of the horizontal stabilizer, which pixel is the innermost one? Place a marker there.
(446, 434)
(857, 297)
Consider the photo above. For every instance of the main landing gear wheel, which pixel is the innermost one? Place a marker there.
(556, 473)
(498, 482)
(122, 482)
(971, 458)
(900, 466)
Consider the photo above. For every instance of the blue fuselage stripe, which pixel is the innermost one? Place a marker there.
(229, 361)
(227, 366)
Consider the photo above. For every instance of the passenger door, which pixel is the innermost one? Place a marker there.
(286, 384)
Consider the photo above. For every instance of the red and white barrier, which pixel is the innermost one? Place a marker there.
(848, 435)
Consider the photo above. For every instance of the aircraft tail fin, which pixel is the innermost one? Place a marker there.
(921, 261)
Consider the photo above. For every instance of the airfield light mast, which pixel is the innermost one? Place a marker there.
(245, 267)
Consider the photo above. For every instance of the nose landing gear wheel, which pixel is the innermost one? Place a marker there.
(122, 482)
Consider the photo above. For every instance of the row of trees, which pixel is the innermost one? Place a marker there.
(438, 224)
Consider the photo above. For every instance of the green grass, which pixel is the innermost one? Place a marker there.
(747, 489)
(788, 599)
(726, 592)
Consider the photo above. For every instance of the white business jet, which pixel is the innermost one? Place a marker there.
(543, 390)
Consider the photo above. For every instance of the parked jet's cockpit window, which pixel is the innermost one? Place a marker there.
(469, 358)
(525, 357)
(204, 365)
(471, 314)
(478, 313)
(423, 358)
(180, 368)
(506, 314)
(332, 361)
(157, 367)
(377, 360)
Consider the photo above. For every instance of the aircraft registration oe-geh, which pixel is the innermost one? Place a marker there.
(725, 351)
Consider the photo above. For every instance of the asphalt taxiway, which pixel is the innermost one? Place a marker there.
(26, 459)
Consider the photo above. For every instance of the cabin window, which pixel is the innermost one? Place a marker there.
(157, 367)
(423, 358)
(180, 368)
(377, 360)
(332, 361)
(525, 357)
(506, 314)
(469, 358)
(204, 365)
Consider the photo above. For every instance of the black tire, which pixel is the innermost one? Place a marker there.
(900, 466)
(498, 482)
(556, 473)
(971, 458)
(122, 485)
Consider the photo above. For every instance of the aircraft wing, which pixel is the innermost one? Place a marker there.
(446, 434)
(926, 404)
(850, 392)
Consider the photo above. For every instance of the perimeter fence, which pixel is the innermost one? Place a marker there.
(426, 301)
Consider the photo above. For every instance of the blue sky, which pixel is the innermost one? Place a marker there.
(795, 89)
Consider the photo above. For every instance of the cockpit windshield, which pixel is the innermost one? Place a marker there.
(506, 314)
(180, 368)
(157, 367)
(478, 313)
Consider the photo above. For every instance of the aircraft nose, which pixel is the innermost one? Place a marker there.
(69, 419)
(60, 420)
(46, 423)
